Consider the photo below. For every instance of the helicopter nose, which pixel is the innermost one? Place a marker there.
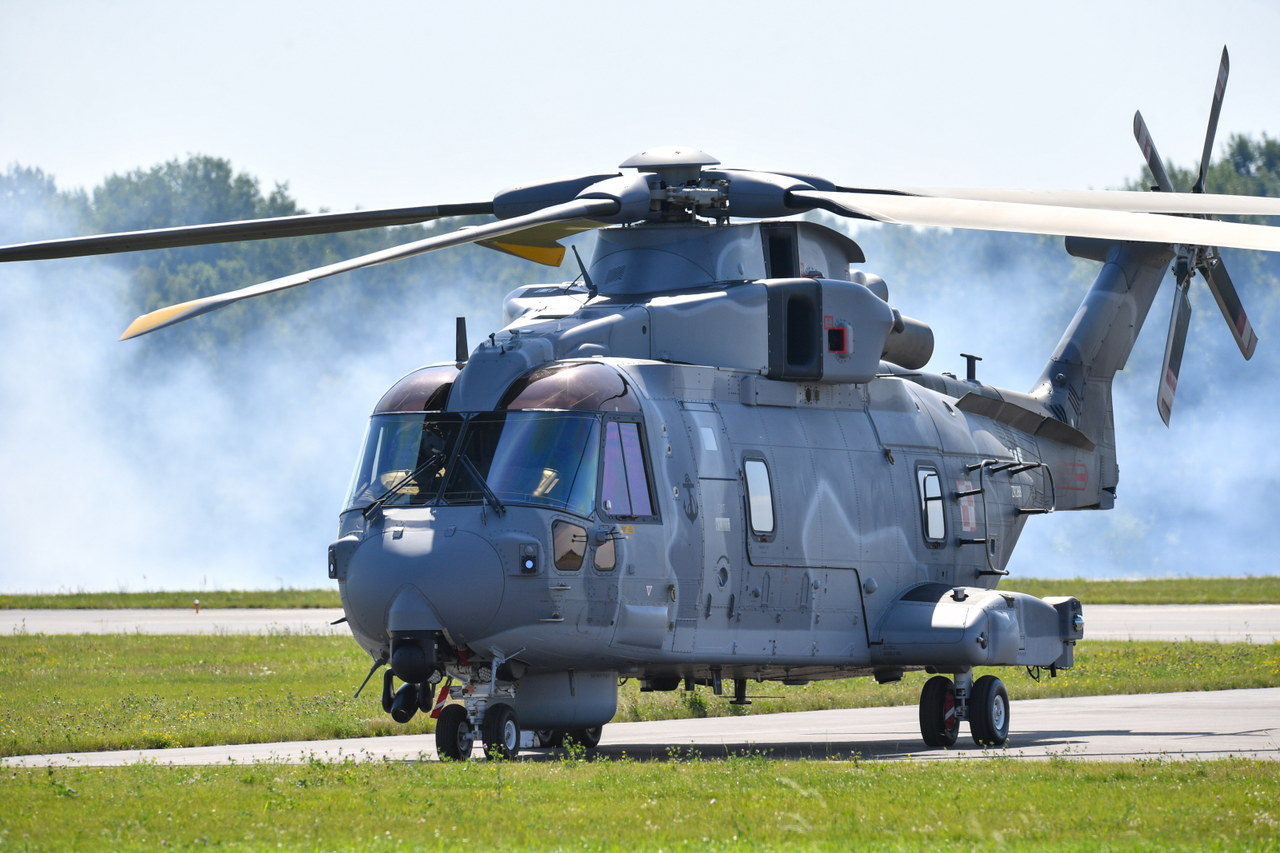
(453, 578)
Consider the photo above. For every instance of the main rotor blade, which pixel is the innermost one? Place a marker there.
(1043, 219)
(1134, 201)
(1219, 89)
(230, 232)
(540, 244)
(1174, 345)
(1148, 146)
(577, 209)
(1224, 292)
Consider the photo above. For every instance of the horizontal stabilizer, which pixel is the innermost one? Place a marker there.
(1024, 420)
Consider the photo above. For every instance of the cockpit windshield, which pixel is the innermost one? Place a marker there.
(540, 458)
(405, 453)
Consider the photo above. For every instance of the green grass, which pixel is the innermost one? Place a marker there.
(90, 692)
(741, 803)
(66, 693)
(1249, 590)
(280, 598)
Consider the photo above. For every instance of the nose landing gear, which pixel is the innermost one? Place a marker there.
(454, 735)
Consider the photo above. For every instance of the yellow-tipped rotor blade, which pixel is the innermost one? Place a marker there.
(540, 244)
(162, 317)
(576, 210)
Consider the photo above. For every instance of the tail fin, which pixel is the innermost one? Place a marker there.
(1076, 384)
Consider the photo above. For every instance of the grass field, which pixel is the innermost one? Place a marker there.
(280, 598)
(747, 802)
(81, 693)
(1248, 590)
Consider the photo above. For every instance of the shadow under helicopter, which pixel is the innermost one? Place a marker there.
(905, 745)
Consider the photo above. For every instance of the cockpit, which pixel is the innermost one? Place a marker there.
(566, 436)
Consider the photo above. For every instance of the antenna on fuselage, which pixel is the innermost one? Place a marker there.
(586, 276)
(461, 350)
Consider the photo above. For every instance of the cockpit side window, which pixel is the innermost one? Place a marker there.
(625, 490)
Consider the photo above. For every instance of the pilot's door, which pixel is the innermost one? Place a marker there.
(708, 607)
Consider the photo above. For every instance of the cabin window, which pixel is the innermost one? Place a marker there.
(932, 517)
(569, 542)
(759, 497)
(624, 485)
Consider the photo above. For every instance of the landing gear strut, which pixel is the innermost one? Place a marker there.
(984, 703)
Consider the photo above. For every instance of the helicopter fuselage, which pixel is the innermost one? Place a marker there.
(556, 513)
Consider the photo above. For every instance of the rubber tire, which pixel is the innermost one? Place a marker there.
(454, 737)
(501, 732)
(550, 738)
(989, 712)
(590, 738)
(939, 724)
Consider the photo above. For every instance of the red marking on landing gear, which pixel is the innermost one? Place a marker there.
(441, 699)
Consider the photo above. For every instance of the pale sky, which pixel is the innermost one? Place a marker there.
(392, 103)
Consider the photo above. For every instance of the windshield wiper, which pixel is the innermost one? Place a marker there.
(498, 506)
(433, 458)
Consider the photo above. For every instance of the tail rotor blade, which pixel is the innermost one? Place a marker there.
(1148, 146)
(1173, 348)
(1224, 68)
(1224, 292)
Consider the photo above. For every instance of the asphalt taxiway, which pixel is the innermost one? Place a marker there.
(1158, 726)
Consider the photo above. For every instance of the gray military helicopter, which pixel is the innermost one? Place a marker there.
(715, 455)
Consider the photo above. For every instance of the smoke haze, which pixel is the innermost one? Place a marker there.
(1193, 499)
(134, 466)
(127, 467)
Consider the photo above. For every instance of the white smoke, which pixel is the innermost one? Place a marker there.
(1193, 499)
(122, 470)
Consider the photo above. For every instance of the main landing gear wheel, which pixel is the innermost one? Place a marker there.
(590, 738)
(939, 724)
(454, 735)
(989, 712)
(550, 738)
(501, 732)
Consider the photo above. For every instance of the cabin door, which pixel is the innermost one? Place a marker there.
(706, 607)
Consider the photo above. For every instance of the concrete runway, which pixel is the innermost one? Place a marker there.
(1225, 623)
(1171, 726)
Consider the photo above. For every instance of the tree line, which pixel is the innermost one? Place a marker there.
(203, 189)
